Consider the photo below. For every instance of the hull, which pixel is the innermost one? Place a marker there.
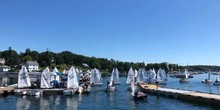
(111, 88)
(139, 96)
(96, 84)
(69, 92)
(184, 81)
(206, 81)
(20, 92)
(216, 83)
(117, 83)
(34, 92)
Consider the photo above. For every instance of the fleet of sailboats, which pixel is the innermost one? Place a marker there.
(134, 78)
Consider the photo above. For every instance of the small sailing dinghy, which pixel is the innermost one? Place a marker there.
(115, 76)
(207, 80)
(160, 79)
(136, 93)
(217, 81)
(23, 81)
(72, 82)
(130, 78)
(185, 80)
(110, 86)
(95, 79)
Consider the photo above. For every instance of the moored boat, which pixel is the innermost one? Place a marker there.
(185, 80)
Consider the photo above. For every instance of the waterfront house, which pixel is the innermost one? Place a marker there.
(4, 68)
(32, 66)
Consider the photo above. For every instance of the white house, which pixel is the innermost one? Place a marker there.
(32, 65)
(4, 68)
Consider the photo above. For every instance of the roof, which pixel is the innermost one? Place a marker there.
(31, 63)
(4, 66)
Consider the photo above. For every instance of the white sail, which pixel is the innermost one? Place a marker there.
(186, 74)
(64, 71)
(72, 80)
(46, 78)
(133, 88)
(218, 77)
(160, 75)
(95, 76)
(23, 78)
(141, 77)
(135, 73)
(55, 70)
(130, 76)
(209, 75)
(114, 76)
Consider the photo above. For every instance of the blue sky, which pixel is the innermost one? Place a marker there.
(153, 31)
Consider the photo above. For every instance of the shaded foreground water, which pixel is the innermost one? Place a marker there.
(120, 99)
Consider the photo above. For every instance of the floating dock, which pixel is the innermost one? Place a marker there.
(193, 96)
(6, 90)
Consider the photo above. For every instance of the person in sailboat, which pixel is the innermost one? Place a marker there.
(55, 84)
(108, 85)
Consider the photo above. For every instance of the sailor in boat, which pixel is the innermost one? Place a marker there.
(138, 94)
(55, 84)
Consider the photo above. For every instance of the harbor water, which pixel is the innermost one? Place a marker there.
(121, 99)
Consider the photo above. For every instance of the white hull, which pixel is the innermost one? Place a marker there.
(34, 92)
(69, 92)
(20, 92)
(96, 84)
(111, 88)
(117, 83)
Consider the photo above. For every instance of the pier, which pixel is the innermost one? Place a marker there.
(188, 95)
(6, 90)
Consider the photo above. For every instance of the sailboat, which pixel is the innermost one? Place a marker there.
(95, 79)
(46, 78)
(217, 81)
(161, 77)
(185, 80)
(136, 93)
(141, 76)
(207, 80)
(72, 82)
(130, 76)
(152, 76)
(57, 78)
(23, 81)
(115, 76)
(110, 86)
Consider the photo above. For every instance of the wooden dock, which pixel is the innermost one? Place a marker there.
(6, 90)
(192, 96)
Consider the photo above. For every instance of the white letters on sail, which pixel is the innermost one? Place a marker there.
(23, 78)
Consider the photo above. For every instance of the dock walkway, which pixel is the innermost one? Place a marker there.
(6, 90)
(194, 96)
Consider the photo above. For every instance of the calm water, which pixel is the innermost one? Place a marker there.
(120, 99)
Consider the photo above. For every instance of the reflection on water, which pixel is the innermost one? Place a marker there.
(23, 103)
(71, 103)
